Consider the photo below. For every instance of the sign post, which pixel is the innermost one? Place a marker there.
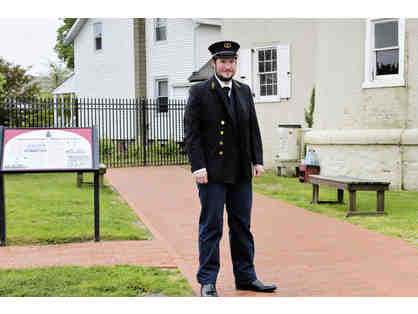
(31, 150)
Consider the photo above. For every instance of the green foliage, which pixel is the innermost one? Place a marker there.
(57, 73)
(65, 52)
(309, 114)
(49, 208)
(18, 83)
(98, 281)
(2, 83)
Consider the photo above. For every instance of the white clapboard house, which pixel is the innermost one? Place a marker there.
(139, 58)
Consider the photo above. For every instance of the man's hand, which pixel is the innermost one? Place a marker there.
(258, 171)
(201, 176)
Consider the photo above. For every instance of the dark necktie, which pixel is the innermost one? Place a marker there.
(226, 91)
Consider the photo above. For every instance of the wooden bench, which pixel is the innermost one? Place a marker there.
(352, 185)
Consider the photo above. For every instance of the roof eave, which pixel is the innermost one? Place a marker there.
(74, 30)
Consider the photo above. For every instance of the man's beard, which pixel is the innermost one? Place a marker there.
(223, 78)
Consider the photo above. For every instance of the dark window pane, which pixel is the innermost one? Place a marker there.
(268, 66)
(162, 104)
(262, 79)
(263, 91)
(274, 66)
(160, 33)
(261, 67)
(269, 79)
(275, 89)
(387, 62)
(274, 78)
(269, 89)
(274, 54)
(162, 88)
(268, 54)
(386, 34)
(261, 55)
(98, 43)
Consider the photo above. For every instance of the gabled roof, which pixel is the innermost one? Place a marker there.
(74, 30)
(66, 87)
(212, 21)
(204, 73)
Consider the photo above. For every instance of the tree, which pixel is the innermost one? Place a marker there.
(57, 73)
(309, 114)
(2, 83)
(65, 52)
(15, 83)
(18, 83)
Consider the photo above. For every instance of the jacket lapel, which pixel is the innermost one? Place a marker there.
(215, 87)
(241, 102)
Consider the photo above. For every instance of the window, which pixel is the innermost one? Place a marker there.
(384, 53)
(162, 95)
(98, 36)
(160, 29)
(267, 71)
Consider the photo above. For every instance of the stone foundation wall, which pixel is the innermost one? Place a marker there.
(390, 155)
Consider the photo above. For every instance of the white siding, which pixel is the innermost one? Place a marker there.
(171, 59)
(106, 73)
(206, 35)
(174, 59)
(110, 71)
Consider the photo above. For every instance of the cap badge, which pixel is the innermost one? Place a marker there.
(227, 45)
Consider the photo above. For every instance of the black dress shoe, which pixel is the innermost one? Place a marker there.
(256, 285)
(208, 290)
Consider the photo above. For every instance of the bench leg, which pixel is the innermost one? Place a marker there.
(340, 195)
(79, 179)
(352, 201)
(315, 193)
(380, 201)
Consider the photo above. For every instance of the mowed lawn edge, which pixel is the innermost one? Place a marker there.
(97, 281)
(49, 208)
(401, 220)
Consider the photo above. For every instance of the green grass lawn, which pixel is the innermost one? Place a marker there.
(117, 281)
(401, 206)
(49, 208)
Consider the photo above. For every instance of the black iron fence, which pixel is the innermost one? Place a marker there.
(133, 132)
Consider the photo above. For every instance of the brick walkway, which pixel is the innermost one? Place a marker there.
(304, 253)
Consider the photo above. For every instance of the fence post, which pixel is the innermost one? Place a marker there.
(144, 130)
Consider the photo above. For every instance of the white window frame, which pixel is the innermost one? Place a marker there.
(95, 36)
(157, 95)
(156, 25)
(256, 77)
(370, 79)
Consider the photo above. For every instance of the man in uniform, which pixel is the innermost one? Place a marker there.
(223, 141)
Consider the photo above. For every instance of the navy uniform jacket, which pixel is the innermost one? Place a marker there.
(213, 141)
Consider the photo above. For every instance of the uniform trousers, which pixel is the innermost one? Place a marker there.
(238, 200)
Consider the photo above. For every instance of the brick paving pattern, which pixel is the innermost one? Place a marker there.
(303, 253)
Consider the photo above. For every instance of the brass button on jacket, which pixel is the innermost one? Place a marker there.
(222, 132)
(221, 143)
(221, 153)
(222, 122)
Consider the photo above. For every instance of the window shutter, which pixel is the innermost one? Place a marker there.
(284, 71)
(245, 67)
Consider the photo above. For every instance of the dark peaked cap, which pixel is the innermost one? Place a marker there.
(224, 49)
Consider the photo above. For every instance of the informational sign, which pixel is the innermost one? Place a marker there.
(48, 149)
